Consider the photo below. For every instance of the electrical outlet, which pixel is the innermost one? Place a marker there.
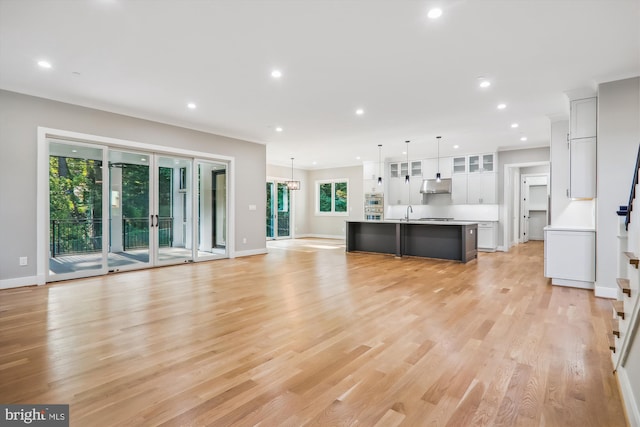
(23, 260)
(244, 240)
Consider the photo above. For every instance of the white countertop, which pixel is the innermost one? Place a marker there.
(419, 222)
(568, 228)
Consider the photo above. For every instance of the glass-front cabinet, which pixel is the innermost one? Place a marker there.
(481, 163)
(460, 164)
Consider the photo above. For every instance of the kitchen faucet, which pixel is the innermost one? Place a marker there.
(409, 208)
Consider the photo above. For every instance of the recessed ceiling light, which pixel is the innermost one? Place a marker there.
(276, 74)
(514, 125)
(44, 64)
(502, 106)
(485, 84)
(359, 111)
(435, 13)
(314, 163)
(74, 151)
(456, 146)
(191, 106)
(279, 129)
(524, 138)
(404, 152)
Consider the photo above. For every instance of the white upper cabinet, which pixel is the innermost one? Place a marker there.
(459, 165)
(583, 118)
(482, 188)
(583, 168)
(370, 170)
(459, 189)
(481, 163)
(430, 168)
(582, 146)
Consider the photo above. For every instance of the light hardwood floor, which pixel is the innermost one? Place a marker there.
(311, 335)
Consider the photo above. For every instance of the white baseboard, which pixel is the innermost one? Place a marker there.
(21, 281)
(572, 283)
(628, 398)
(605, 292)
(501, 249)
(249, 252)
(326, 236)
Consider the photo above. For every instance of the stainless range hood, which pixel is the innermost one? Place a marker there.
(432, 186)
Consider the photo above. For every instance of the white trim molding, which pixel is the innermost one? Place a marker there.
(628, 398)
(22, 281)
(249, 252)
(605, 292)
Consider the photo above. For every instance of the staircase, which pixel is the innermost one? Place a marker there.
(623, 339)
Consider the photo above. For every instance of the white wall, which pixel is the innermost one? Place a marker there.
(618, 139)
(334, 226)
(20, 116)
(564, 211)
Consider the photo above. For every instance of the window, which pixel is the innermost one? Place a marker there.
(332, 197)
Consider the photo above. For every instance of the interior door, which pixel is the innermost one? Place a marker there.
(524, 211)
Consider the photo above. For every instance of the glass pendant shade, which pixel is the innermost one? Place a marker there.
(438, 174)
(379, 164)
(407, 178)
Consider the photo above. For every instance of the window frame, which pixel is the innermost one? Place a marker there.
(333, 183)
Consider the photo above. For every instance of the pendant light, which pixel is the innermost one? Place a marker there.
(406, 178)
(379, 164)
(293, 185)
(438, 174)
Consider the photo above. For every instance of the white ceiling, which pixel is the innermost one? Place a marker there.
(414, 77)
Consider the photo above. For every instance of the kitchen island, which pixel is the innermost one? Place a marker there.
(453, 240)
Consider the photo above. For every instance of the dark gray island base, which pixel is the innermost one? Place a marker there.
(452, 240)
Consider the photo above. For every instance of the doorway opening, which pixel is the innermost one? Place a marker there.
(279, 210)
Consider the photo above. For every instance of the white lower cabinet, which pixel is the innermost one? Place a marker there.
(569, 256)
(487, 236)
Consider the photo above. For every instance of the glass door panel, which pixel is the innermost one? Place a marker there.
(278, 210)
(76, 227)
(173, 217)
(212, 210)
(284, 209)
(271, 212)
(129, 204)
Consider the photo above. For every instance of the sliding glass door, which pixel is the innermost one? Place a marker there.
(77, 230)
(278, 210)
(139, 211)
(172, 227)
(129, 210)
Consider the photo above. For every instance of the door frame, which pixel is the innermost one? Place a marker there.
(525, 189)
(42, 183)
(508, 202)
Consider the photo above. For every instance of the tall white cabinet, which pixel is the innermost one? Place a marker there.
(582, 146)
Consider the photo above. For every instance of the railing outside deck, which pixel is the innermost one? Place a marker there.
(78, 236)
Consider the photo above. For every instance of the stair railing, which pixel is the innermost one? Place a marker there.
(632, 193)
